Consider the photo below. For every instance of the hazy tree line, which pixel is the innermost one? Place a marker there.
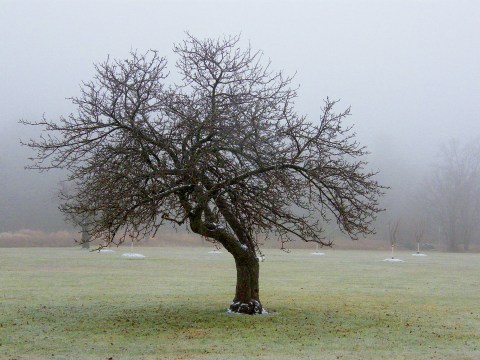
(438, 206)
(441, 205)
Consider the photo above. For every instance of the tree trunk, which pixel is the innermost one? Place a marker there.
(452, 245)
(85, 242)
(247, 297)
(467, 236)
(453, 239)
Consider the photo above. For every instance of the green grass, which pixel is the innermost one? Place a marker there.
(71, 304)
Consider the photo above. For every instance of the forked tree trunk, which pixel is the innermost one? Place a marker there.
(247, 296)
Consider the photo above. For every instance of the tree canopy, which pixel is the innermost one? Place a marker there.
(222, 150)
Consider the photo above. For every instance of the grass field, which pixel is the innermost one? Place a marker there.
(70, 304)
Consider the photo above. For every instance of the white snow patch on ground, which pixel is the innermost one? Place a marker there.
(106, 251)
(318, 253)
(133, 256)
(393, 260)
(418, 254)
(264, 312)
(215, 252)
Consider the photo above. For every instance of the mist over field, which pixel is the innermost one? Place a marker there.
(408, 69)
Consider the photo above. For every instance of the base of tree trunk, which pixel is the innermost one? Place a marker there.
(253, 307)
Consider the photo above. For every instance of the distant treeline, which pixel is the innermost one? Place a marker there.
(36, 238)
(66, 238)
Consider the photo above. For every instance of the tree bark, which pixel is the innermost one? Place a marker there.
(247, 295)
(247, 292)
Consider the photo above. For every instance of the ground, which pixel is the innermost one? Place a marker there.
(66, 303)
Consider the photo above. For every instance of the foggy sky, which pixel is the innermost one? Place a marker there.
(410, 70)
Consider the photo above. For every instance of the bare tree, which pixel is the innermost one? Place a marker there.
(453, 194)
(223, 151)
(392, 234)
(419, 233)
(84, 221)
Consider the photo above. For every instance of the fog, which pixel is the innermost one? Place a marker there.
(409, 69)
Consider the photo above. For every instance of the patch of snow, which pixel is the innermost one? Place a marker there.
(233, 312)
(393, 260)
(133, 256)
(106, 251)
(215, 252)
(264, 312)
(318, 253)
(418, 254)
